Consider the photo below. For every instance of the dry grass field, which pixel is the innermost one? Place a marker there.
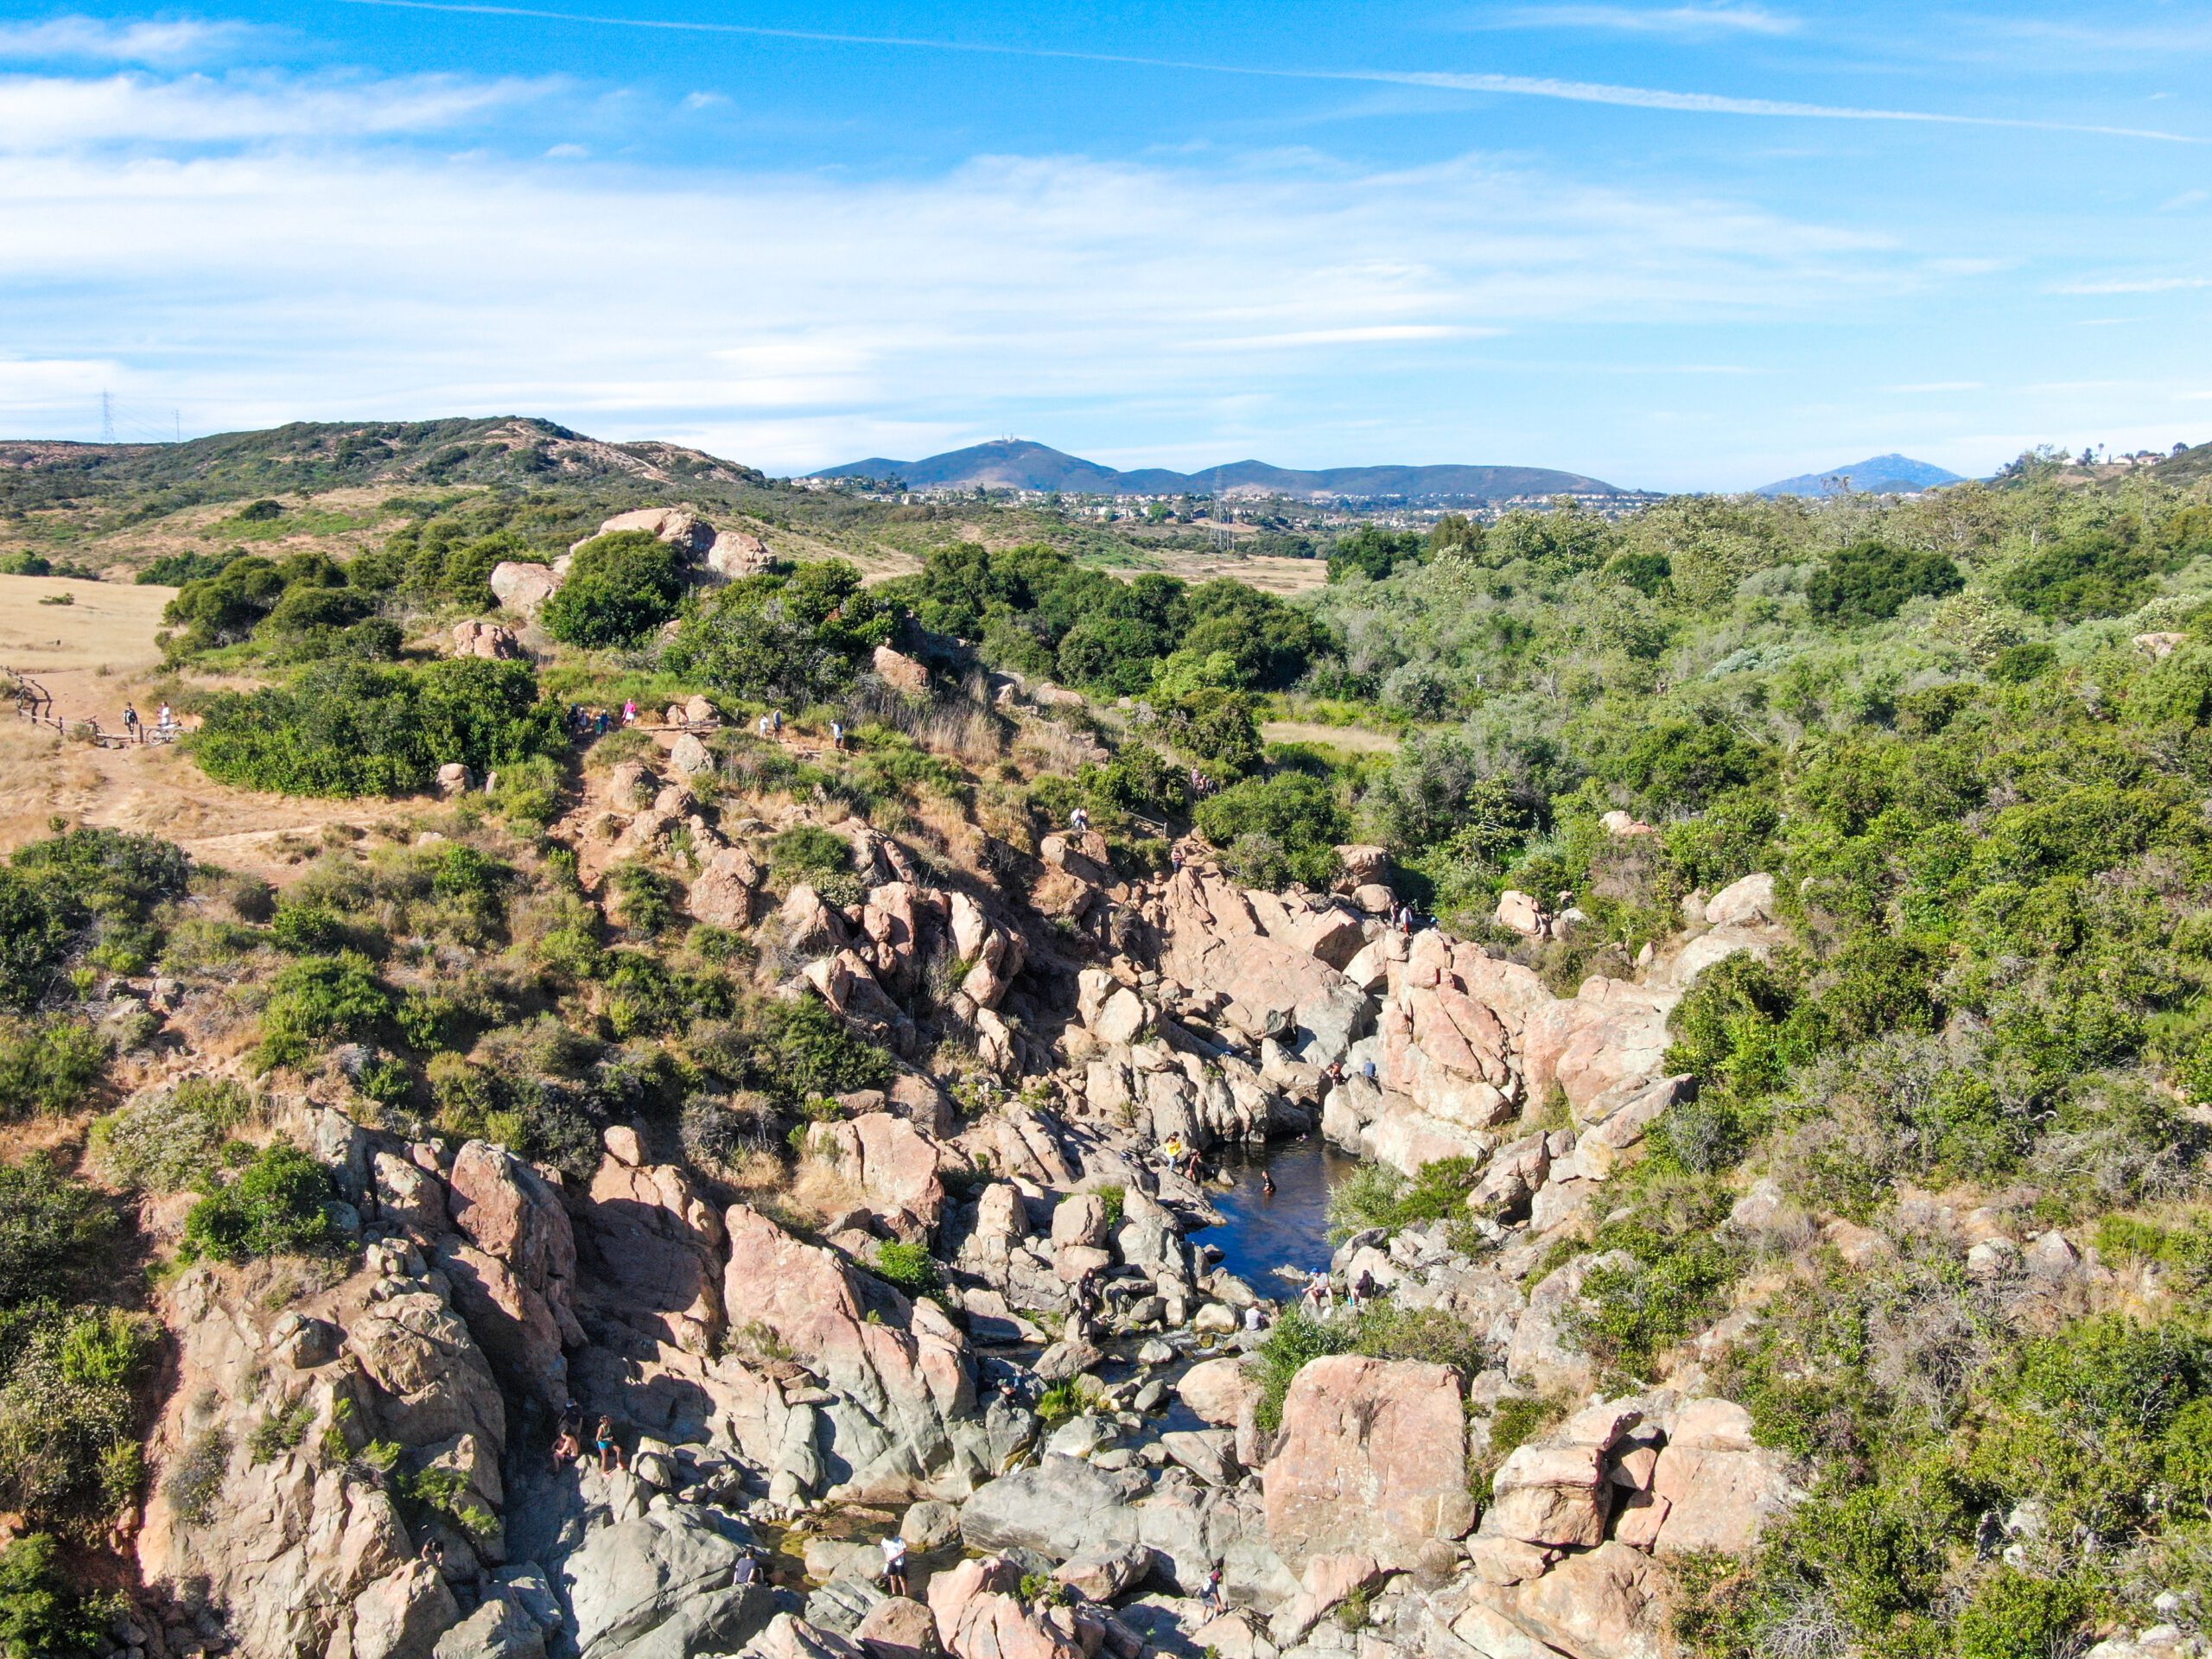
(92, 655)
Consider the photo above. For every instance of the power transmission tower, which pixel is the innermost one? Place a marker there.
(107, 418)
(176, 417)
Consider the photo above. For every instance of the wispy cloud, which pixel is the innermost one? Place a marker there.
(1937, 385)
(1574, 92)
(2185, 200)
(103, 40)
(309, 274)
(2135, 285)
(58, 112)
(1640, 20)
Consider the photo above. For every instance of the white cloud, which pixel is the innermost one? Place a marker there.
(2135, 285)
(103, 39)
(54, 113)
(1937, 385)
(796, 320)
(1637, 20)
(2186, 199)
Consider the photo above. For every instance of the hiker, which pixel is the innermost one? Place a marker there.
(130, 719)
(764, 729)
(1406, 920)
(165, 720)
(568, 1439)
(747, 1570)
(1177, 856)
(630, 712)
(610, 1449)
(1210, 1596)
(894, 1564)
(776, 717)
(434, 1552)
(1079, 820)
(837, 735)
(1253, 1320)
(605, 721)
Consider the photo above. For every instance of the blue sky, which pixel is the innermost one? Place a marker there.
(1679, 246)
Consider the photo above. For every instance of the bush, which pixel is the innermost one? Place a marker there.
(68, 1419)
(276, 1206)
(82, 892)
(43, 1615)
(619, 589)
(821, 858)
(1374, 1195)
(48, 1067)
(342, 729)
(1871, 582)
(907, 1265)
(1379, 1330)
(51, 1231)
(2097, 574)
(195, 1480)
(2015, 1617)
(794, 637)
(318, 1001)
(171, 1140)
(1285, 827)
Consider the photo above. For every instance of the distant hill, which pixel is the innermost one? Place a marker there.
(1018, 464)
(1876, 475)
(324, 455)
(2185, 466)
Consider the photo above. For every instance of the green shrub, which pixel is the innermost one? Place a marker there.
(170, 1139)
(1276, 829)
(69, 1417)
(195, 1480)
(343, 728)
(620, 587)
(821, 858)
(42, 1615)
(1871, 582)
(48, 1067)
(318, 1001)
(278, 1205)
(1377, 1330)
(51, 1232)
(88, 892)
(1376, 1195)
(2100, 573)
(793, 637)
(910, 1267)
(2015, 1617)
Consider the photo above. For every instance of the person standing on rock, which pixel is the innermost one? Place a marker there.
(610, 1449)
(1210, 1597)
(894, 1564)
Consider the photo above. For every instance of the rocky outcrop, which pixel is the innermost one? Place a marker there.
(523, 586)
(1372, 1458)
(901, 1422)
(486, 640)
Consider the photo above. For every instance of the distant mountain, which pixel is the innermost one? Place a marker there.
(1877, 475)
(1018, 464)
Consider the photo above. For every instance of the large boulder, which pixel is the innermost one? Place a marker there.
(667, 1575)
(894, 1165)
(523, 586)
(1250, 947)
(1554, 1490)
(1372, 1457)
(402, 1615)
(902, 1423)
(656, 1249)
(486, 640)
(1715, 1488)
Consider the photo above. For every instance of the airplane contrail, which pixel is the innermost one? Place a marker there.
(1574, 92)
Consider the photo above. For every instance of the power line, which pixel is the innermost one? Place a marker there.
(107, 418)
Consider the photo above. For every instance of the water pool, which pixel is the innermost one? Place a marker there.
(1262, 1233)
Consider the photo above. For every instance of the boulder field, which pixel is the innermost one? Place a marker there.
(1067, 1427)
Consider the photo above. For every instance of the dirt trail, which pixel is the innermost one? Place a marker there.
(92, 655)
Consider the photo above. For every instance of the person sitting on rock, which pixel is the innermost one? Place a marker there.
(1079, 820)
